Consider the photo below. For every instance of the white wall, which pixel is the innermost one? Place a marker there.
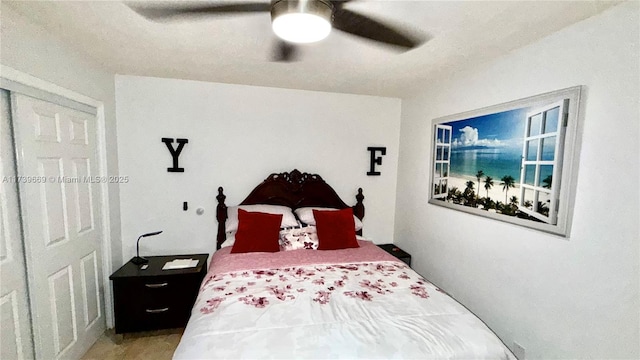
(30, 49)
(559, 298)
(238, 135)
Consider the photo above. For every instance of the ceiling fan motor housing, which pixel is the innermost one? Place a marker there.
(322, 8)
(304, 13)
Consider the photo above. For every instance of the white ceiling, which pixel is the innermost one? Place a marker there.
(237, 49)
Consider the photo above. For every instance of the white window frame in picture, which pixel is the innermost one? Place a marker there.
(560, 196)
(442, 151)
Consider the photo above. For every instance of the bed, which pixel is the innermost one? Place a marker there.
(346, 303)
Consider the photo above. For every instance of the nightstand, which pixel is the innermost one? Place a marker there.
(153, 298)
(397, 252)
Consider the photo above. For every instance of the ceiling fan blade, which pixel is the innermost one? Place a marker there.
(171, 12)
(285, 52)
(339, 2)
(363, 26)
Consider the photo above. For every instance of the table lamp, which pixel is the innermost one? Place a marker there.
(140, 260)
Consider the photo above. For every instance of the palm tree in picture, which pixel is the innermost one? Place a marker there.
(507, 182)
(479, 176)
(488, 184)
(513, 201)
(470, 184)
(452, 192)
(547, 182)
(469, 194)
(543, 208)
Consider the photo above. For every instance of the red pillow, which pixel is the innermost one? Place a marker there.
(257, 232)
(336, 229)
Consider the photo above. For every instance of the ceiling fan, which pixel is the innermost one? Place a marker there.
(293, 21)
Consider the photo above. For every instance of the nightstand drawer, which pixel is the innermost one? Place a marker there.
(167, 290)
(156, 293)
(155, 290)
(161, 317)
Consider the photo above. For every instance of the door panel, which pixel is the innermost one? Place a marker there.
(78, 131)
(47, 125)
(84, 200)
(54, 214)
(63, 319)
(15, 327)
(12, 340)
(90, 289)
(57, 145)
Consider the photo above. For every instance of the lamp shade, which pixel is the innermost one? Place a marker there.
(301, 21)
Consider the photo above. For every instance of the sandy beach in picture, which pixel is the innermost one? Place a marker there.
(495, 193)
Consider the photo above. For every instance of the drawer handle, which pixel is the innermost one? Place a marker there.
(155, 286)
(156, 311)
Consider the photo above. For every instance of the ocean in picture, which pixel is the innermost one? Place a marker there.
(491, 143)
(492, 161)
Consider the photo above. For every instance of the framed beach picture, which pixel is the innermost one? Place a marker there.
(515, 162)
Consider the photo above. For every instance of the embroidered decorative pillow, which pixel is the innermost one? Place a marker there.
(257, 232)
(335, 229)
(299, 238)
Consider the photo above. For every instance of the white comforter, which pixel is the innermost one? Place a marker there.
(370, 309)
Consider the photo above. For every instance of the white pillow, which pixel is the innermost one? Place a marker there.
(288, 219)
(230, 240)
(305, 215)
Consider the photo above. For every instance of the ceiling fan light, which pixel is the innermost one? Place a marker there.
(301, 28)
(301, 21)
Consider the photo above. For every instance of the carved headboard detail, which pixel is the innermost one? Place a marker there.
(293, 189)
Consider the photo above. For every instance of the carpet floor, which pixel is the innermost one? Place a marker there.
(156, 345)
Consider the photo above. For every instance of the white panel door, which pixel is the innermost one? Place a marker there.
(15, 326)
(56, 148)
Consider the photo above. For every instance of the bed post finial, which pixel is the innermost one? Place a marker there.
(221, 216)
(358, 208)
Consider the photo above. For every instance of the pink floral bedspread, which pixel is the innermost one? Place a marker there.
(352, 303)
(223, 262)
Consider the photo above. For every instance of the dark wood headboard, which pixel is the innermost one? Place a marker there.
(293, 189)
